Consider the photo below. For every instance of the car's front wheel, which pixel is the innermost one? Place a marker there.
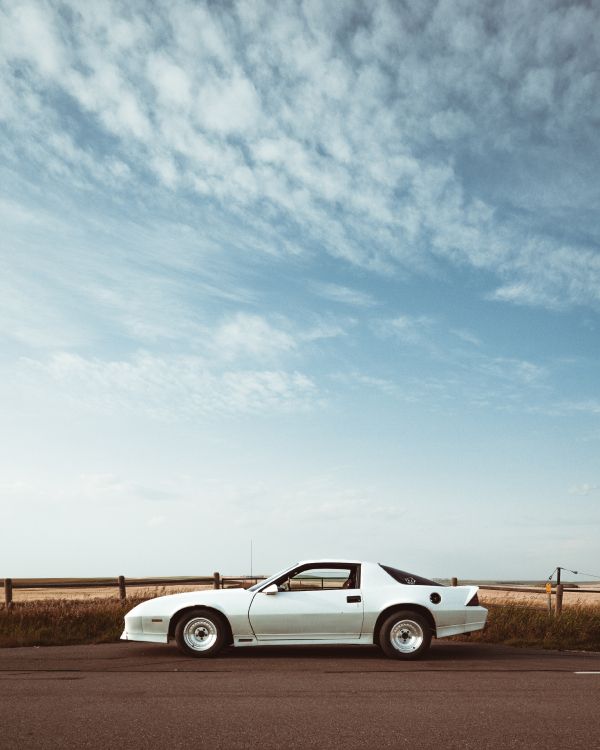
(200, 632)
(405, 635)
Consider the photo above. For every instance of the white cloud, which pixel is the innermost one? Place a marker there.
(589, 406)
(179, 387)
(30, 316)
(467, 336)
(513, 369)
(29, 34)
(358, 379)
(408, 329)
(343, 294)
(246, 334)
(537, 90)
(583, 489)
(229, 105)
(367, 140)
(172, 83)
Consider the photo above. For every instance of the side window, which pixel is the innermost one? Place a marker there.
(320, 579)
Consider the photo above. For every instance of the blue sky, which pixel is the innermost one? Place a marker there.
(323, 275)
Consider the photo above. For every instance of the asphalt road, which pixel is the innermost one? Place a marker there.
(463, 695)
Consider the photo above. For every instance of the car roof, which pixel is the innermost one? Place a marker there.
(327, 560)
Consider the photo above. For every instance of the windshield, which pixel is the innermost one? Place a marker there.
(267, 581)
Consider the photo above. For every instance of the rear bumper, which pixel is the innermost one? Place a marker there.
(475, 619)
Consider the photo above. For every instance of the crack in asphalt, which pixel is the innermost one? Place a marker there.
(30, 672)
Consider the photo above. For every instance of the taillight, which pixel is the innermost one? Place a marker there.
(473, 601)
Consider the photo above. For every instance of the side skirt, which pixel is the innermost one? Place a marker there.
(245, 640)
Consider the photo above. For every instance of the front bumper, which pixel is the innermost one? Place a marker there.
(145, 629)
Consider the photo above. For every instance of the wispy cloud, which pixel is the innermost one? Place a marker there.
(583, 489)
(343, 294)
(444, 367)
(589, 406)
(356, 140)
(466, 336)
(180, 387)
(408, 329)
(246, 334)
(513, 369)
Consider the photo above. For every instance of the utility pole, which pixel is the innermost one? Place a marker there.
(557, 570)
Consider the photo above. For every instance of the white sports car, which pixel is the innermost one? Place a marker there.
(314, 602)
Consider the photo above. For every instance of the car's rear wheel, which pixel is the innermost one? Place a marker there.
(200, 632)
(405, 635)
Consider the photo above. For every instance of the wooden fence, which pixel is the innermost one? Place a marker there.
(549, 591)
(218, 581)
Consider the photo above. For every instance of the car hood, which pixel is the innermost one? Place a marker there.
(220, 599)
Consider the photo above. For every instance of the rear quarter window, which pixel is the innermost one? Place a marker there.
(408, 579)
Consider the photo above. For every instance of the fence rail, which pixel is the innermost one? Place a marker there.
(532, 590)
(217, 581)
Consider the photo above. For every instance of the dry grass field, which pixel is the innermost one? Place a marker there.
(516, 624)
(71, 616)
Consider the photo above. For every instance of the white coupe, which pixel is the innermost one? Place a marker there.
(315, 602)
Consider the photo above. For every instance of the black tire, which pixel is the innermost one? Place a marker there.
(201, 632)
(405, 635)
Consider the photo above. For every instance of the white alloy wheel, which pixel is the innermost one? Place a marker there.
(405, 635)
(200, 632)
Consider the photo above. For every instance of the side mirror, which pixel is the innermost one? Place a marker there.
(272, 589)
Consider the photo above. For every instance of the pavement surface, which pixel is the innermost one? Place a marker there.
(133, 695)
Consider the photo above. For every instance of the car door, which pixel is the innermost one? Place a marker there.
(312, 603)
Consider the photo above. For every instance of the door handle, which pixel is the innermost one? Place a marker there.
(352, 599)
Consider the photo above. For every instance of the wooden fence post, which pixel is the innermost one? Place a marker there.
(559, 598)
(8, 588)
(454, 582)
(217, 580)
(122, 589)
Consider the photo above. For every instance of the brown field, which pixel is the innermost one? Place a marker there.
(110, 592)
(486, 596)
(524, 598)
